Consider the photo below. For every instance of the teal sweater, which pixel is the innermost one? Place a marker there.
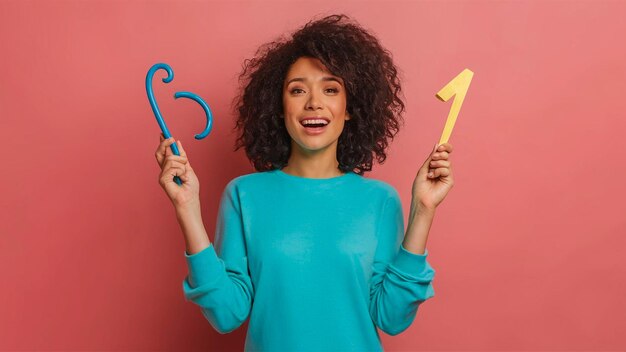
(316, 264)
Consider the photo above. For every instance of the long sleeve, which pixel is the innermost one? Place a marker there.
(401, 280)
(219, 280)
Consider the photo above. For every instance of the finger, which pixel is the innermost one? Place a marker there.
(179, 158)
(173, 163)
(161, 149)
(163, 143)
(180, 148)
(439, 163)
(168, 148)
(176, 159)
(183, 153)
(175, 171)
(184, 177)
(445, 147)
(167, 176)
(162, 137)
(430, 156)
(442, 171)
(440, 156)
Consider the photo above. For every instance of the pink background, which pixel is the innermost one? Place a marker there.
(528, 246)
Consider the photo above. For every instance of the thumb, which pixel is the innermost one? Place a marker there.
(426, 165)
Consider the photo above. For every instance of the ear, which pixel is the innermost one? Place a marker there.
(348, 117)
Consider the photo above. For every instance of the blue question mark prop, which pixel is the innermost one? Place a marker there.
(157, 113)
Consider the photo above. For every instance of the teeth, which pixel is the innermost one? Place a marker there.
(312, 122)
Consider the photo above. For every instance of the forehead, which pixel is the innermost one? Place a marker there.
(307, 68)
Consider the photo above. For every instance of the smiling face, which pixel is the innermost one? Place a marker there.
(311, 92)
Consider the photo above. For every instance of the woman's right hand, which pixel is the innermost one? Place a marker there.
(173, 165)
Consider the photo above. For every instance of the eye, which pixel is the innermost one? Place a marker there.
(333, 90)
(295, 90)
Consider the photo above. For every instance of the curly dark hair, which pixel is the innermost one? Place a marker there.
(348, 51)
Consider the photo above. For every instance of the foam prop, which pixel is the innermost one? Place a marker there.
(157, 113)
(457, 87)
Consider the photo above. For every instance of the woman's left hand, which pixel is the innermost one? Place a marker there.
(429, 191)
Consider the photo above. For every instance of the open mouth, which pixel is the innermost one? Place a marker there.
(314, 126)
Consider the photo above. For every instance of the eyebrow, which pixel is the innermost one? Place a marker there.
(325, 78)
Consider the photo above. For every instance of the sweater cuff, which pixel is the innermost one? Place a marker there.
(205, 267)
(414, 265)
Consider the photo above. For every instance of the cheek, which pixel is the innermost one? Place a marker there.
(292, 126)
(291, 108)
(339, 126)
(338, 106)
(285, 105)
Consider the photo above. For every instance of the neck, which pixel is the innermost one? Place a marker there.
(313, 164)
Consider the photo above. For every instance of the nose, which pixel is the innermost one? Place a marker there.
(313, 102)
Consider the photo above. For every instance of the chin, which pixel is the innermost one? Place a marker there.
(317, 145)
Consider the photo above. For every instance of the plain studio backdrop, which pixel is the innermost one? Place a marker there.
(528, 247)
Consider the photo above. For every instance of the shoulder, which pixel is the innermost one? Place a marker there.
(375, 189)
(236, 189)
(383, 188)
(248, 181)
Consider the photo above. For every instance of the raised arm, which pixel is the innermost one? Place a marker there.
(401, 280)
(219, 280)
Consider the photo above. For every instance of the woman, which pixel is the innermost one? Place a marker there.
(311, 251)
